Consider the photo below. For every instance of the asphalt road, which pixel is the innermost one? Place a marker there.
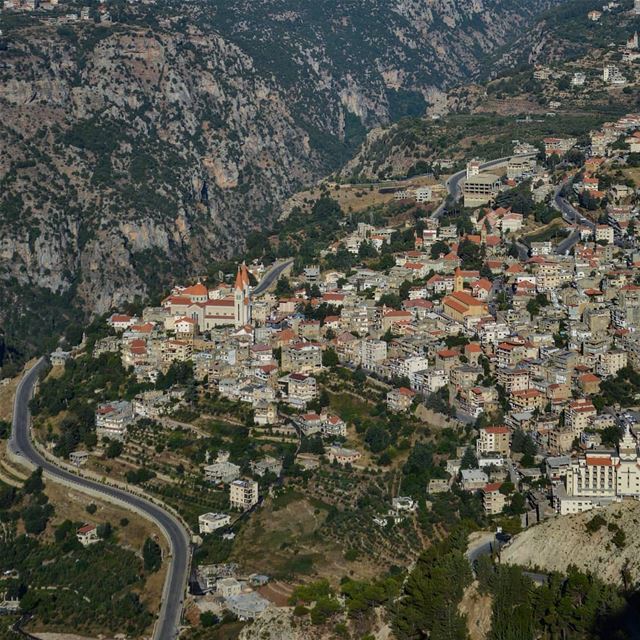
(453, 182)
(572, 216)
(173, 596)
(568, 212)
(270, 277)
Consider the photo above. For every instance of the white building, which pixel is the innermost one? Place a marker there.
(604, 233)
(373, 352)
(87, 534)
(474, 479)
(579, 78)
(113, 418)
(247, 606)
(78, 458)
(210, 522)
(429, 381)
(606, 474)
(612, 75)
(473, 168)
(59, 357)
(221, 471)
(228, 587)
(424, 194)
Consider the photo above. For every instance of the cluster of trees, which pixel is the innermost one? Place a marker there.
(572, 606)
(151, 555)
(472, 256)
(535, 305)
(519, 198)
(439, 402)
(418, 469)
(523, 443)
(361, 595)
(36, 510)
(86, 381)
(322, 594)
(384, 432)
(33, 319)
(62, 583)
(139, 476)
(621, 389)
(575, 606)
(433, 591)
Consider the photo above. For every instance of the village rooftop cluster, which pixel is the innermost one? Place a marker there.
(520, 346)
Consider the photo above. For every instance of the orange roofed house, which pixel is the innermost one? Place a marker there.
(208, 313)
(460, 305)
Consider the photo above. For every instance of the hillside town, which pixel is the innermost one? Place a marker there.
(297, 348)
(527, 340)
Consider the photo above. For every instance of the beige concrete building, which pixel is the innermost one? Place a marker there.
(302, 357)
(243, 494)
(493, 440)
(480, 189)
(577, 415)
(611, 362)
(492, 500)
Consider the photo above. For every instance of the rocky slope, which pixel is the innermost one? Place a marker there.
(562, 541)
(562, 36)
(282, 624)
(151, 146)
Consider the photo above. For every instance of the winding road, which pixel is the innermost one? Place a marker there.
(20, 444)
(453, 181)
(271, 276)
(569, 213)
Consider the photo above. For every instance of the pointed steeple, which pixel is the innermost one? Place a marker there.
(240, 278)
(627, 447)
(245, 275)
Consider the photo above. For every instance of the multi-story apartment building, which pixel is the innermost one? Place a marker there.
(528, 400)
(302, 357)
(221, 471)
(478, 400)
(593, 475)
(479, 189)
(558, 146)
(429, 381)
(514, 379)
(243, 494)
(493, 500)
(299, 388)
(373, 352)
(509, 353)
(606, 475)
(493, 440)
(399, 400)
(578, 414)
(113, 419)
(611, 362)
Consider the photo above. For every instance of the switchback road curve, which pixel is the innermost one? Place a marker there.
(20, 444)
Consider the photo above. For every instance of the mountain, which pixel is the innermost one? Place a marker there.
(141, 148)
(525, 92)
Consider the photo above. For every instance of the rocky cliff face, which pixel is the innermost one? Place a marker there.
(568, 540)
(151, 146)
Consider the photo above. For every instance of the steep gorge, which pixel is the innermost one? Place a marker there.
(141, 150)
